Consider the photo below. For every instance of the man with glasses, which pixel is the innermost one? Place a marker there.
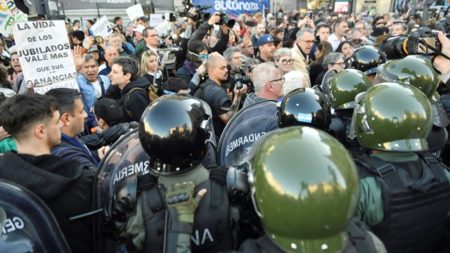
(332, 62)
(356, 38)
(302, 48)
(268, 82)
(151, 41)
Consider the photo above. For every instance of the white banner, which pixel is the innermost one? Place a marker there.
(135, 12)
(156, 19)
(45, 55)
(102, 27)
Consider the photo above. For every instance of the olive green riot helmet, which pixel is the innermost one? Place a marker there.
(305, 189)
(393, 117)
(414, 70)
(345, 86)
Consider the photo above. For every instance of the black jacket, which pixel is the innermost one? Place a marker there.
(134, 103)
(202, 30)
(109, 136)
(66, 188)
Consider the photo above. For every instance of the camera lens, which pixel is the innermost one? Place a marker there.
(394, 47)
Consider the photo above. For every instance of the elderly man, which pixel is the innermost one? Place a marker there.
(150, 41)
(302, 48)
(268, 82)
(92, 86)
(110, 54)
(233, 57)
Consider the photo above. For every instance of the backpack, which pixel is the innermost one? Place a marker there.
(152, 93)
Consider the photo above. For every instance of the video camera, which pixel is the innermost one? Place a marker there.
(423, 41)
(195, 12)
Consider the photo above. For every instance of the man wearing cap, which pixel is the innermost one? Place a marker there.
(302, 48)
(266, 48)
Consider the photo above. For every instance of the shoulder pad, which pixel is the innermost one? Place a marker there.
(238, 188)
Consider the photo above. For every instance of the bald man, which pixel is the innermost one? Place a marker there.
(111, 53)
(211, 92)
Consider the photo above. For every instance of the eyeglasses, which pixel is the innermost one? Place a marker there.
(277, 80)
(287, 62)
(153, 35)
(309, 41)
(356, 41)
(338, 63)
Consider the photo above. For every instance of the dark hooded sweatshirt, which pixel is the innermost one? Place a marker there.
(134, 101)
(66, 188)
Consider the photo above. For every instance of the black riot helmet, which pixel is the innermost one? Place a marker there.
(366, 59)
(174, 131)
(305, 107)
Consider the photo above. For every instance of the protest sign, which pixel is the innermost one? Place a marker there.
(156, 19)
(233, 7)
(45, 55)
(135, 12)
(9, 13)
(102, 27)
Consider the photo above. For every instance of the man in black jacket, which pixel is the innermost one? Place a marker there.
(67, 188)
(133, 97)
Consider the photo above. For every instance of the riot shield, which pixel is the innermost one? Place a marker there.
(27, 223)
(124, 159)
(245, 128)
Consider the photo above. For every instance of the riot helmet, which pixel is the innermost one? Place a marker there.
(393, 117)
(345, 86)
(297, 175)
(413, 70)
(174, 131)
(306, 107)
(367, 59)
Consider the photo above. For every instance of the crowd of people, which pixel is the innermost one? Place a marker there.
(351, 154)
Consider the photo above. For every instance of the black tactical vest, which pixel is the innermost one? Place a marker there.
(213, 230)
(415, 209)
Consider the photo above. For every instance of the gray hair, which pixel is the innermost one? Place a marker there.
(303, 31)
(281, 52)
(294, 80)
(262, 74)
(228, 53)
(87, 58)
(332, 58)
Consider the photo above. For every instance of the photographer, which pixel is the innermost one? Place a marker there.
(194, 66)
(211, 92)
(201, 34)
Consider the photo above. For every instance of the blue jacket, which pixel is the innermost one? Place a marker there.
(88, 95)
(72, 149)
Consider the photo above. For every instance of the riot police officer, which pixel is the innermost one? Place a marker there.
(417, 71)
(155, 212)
(297, 175)
(404, 189)
(367, 59)
(343, 89)
(304, 107)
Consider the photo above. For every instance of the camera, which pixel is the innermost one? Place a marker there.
(423, 41)
(193, 11)
(224, 19)
(240, 80)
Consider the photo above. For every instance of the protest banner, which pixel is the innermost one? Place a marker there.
(233, 7)
(45, 55)
(102, 27)
(135, 12)
(9, 13)
(156, 19)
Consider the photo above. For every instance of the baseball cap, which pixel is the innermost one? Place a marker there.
(266, 38)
